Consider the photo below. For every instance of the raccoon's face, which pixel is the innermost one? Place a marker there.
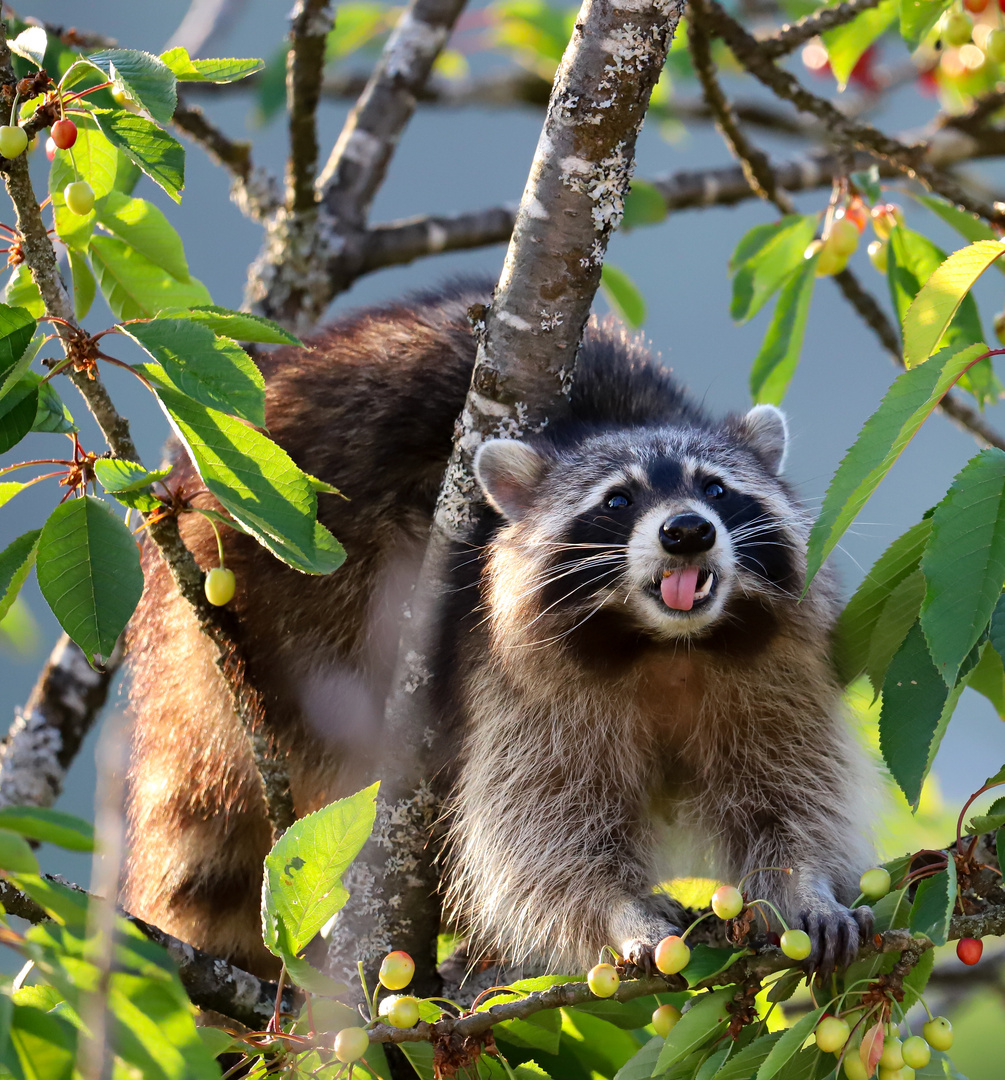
(675, 530)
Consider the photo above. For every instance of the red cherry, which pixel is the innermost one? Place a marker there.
(64, 133)
(969, 950)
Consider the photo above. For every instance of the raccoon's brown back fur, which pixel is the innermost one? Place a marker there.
(595, 718)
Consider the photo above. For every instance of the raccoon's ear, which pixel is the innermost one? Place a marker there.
(508, 472)
(766, 431)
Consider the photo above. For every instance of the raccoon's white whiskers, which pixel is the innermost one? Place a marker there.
(565, 633)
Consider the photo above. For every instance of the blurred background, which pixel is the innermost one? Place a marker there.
(455, 159)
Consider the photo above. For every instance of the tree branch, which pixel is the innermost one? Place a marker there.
(40, 257)
(254, 190)
(309, 26)
(909, 160)
(792, 35)
(210, 982)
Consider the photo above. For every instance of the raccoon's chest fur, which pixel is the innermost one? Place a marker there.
(619, 636)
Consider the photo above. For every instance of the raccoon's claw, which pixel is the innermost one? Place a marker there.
(640, 957)
(836, 934)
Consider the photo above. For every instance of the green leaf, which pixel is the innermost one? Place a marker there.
(213, 370)
(916, 707)
(255, 480)
(19, 371)
(898, 615)
(65, 905)
(89, 572)
(968, 225)
(16, 855)
(933, 309)
(216, 71)
(84, 285)
(707, 961)
(906, 405)
(629, 1015)
(145, 229)
(989, 822)
(95, 159)
(710, 1066)
(51, 415)
(240, 325)
(789, 1044)
(303, 872)
(643, 1064)
(45, 1043)
(742, 1064)
(117, 475)
(776, 362)
(151, 148)
(846, 44)
(21, 291)
(764, 259)
(143, 76)
(703, 1021)
(136, 288)
(17, 328)
(16, 561)
(623, 295)
(1000, 846)
(917, 978)
(933, 905)
(917, 17)
(8, 490)
(48, 826)
(964, 562)
(31, 44)
(540, 1031)
(644, 205)
(17, 413)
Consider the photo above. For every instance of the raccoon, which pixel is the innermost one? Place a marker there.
(633, 686)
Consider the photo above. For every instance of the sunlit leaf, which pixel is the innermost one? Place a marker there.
(136, 288)
(775, 363)
(143, 77)
(623, 295)
(151, 148)
(216, 71)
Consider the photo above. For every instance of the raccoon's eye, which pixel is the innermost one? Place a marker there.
(618, 501)
(714, 490)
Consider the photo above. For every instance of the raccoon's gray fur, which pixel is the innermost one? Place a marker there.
(606, 737)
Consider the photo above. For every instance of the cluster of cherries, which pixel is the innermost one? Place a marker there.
(842, 231)
(78, 195)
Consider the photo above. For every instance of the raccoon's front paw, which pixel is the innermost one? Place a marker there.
(640, 925)
(836, 934)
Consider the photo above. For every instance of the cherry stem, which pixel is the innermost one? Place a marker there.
(778, 914)
(38, 461)
(128, 367)
(83, 93)
(216, 533)
(966, 807)
(58, 368)
(701, 918)
(279, 1000)
(762, 870)
(498, 989)
(371, 1001)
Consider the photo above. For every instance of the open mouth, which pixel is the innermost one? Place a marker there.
(685, 588)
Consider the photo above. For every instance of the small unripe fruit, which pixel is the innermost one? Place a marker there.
(885, 217)
(351, 1044)
(727, 901)
(396, 970)
(956, 28)
(879, 251)
(831, 261)
(50, 149)
(893, 1054)
(64, 133)
(875, 883)
(843, 236)
(832, 1034)
(796, 944)
(905, 1072)
(401, 1011)
(219, 585)
(1000, 326)
(917, 1053)
(857, 212)
(79, 198)
(672, 955)
(13, 141)
(994, 46)
(854, 1069)
(938, 1033)
(665, 1019)
(969, 950)
(603, 980)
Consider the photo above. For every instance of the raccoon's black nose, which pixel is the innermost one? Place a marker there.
(685, 534)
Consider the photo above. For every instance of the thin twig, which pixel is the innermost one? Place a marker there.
(754, 162)
(792, 35)
(309, 26)
(908, 159)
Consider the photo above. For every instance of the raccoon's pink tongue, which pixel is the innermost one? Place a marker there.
(677, 588)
